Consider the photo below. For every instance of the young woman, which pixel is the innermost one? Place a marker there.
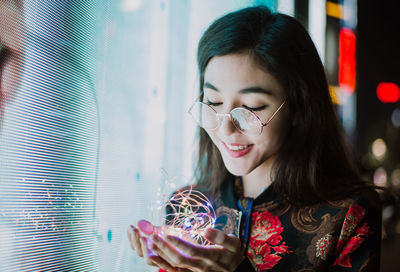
(271, 152)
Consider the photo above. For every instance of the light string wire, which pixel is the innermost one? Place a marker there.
(189, 214)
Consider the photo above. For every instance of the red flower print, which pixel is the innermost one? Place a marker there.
(266, 248)
(364, 230)
(351, 237)
(269, 262)
(353, 217)
(281, 249)
(351, 246)
(274, 239)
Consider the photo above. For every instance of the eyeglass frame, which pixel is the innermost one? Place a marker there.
(219, 115)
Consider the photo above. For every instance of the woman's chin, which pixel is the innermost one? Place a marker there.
(237, 166)
(237, 170)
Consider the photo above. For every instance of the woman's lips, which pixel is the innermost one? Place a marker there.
(237, 153)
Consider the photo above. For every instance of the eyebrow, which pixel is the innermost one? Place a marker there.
(208, 85)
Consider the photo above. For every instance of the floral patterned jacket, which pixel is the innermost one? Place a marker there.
(339, 236)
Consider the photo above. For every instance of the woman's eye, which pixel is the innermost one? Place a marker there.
(255, 108)
(210, 103)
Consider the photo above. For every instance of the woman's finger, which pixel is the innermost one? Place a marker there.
(232, 255)
(213, 257)
(146, 252)
(131, 237)
(163, 264)
(153, 247)
(138, 245)
(175, 257)
(187, 248)
(134, 240)
(154, 259)
(146, 227)
(129, 232)
(224, 256)
(217, 237)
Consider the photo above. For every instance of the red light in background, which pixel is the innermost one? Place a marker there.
(388, 92)
(347, 60)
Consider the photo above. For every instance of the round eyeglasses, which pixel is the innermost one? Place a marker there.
(246, 121)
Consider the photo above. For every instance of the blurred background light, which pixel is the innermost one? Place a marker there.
(347, 60)
(396, 118)
(388, 92)
(395, 178)
(380, 177)
(379, 149)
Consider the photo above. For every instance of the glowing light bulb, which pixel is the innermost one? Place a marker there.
(191, 215)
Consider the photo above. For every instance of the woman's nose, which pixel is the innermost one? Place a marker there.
(226, 126)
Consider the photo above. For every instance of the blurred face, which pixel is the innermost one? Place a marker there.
(233, 81)
(11, 25)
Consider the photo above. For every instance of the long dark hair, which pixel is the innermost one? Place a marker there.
(313, 163)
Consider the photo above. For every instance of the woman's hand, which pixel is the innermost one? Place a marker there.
(139, 244)
(225, 255)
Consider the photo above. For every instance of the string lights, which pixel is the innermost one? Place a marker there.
(189, 214)
(46, 207)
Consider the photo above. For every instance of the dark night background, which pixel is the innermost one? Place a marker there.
(378, 60)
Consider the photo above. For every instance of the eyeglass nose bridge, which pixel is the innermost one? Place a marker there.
(220, 116)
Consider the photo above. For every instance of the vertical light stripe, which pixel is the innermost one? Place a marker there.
(286, 7)
(350, 13)
(191, 91)
(317, 25)
(156, 90)
(348, 110)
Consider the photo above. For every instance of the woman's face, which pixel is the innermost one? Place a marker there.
(233, 81)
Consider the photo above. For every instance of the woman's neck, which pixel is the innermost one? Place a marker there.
(257, 180)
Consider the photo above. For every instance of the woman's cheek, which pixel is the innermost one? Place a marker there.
(212, 135)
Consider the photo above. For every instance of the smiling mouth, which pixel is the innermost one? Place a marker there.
(237, 150)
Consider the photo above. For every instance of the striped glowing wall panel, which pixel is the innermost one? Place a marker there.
(48, 147)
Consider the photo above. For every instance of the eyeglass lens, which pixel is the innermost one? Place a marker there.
(243, 119)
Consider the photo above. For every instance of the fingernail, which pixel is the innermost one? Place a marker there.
(146, 227)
